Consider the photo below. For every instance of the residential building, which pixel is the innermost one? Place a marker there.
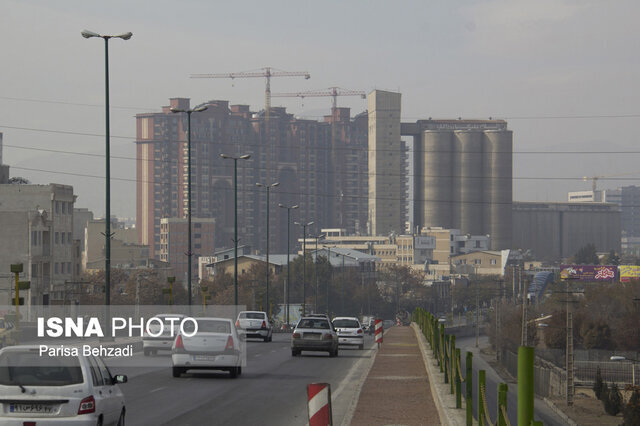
(277, 263)
(125, 250)
(448, 243)
(174, 243)
(482, 262)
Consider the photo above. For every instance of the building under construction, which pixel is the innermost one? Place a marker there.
(321, 167)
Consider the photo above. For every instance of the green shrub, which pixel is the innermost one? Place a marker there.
(632, 410)
(613, 401)
(598, 384)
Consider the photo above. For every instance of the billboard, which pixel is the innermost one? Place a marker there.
(589, 272)
(629, 272)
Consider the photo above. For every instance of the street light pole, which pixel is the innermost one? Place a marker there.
(316, 271)
(289, 208)
(268, 188)
(235, 220)
(189, 253)
(107, 207)
(330, 275)
(304, 264)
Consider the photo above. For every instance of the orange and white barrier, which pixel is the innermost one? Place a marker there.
(379, 331)
(319, 397)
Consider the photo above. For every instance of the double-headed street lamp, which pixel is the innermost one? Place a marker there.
(286, 288)
(235, 219)
(107, 207)
(304, 264)
(268, 188)
(189, 253)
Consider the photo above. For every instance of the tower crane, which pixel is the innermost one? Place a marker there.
(334, 92)
(266, 72)
(594, 179)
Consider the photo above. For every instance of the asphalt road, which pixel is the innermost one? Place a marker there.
(541, 410)
(270, 391)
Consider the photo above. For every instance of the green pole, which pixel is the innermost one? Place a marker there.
(503, 389)
(452, 363)
(446, 362)
(458, 382)
(481, 385)
(469, 395)
(525, 385)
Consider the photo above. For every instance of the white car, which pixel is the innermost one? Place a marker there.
(151, 344)
(215, 346)
(349, 331)
(70, 390)
(255, 324)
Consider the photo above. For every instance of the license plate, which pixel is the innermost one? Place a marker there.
(204, 358)
(32, 408)
(309, 336)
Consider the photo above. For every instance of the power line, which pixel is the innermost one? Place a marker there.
(44, 101)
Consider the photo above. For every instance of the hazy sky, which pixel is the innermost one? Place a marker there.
(537, 64)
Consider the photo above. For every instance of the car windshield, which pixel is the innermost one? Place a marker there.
(345, 323)
(252, 315)
(209, 326)
(29, 368)
(314, 323)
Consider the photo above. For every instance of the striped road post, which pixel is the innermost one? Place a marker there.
(319, 404)
(379, 331)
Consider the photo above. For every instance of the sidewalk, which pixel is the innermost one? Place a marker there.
(397, 389)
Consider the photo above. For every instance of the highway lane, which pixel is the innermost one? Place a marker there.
(270, 391)
(541, 410)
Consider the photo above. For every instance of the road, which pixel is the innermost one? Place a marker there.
(541, 409)
(270, 391)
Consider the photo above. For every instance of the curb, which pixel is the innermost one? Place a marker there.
(444, 401)
(559, 412)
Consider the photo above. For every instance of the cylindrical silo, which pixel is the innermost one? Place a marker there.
(498, 164)
(469, 173)
(436, 178)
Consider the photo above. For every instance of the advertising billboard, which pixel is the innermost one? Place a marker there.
(629, 272)
(589, 272)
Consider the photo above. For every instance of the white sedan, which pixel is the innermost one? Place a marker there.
(38, 389)
(215, 346)
(349, 331)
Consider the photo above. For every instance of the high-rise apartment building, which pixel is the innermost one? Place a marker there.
(296, 153)
(174, 243)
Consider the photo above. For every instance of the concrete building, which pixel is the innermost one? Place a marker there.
(125, 249)
(598, 196)
(466, 176)
(174, 243)
(553, 231)
(449, 243)
(296, 153)
(277, 263)
(387, 165)
(37, 223)
(482, 262)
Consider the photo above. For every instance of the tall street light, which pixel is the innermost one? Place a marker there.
(189, 253)
(304, 264)
(316, 270)
(107, 207)
(286, 288)
(268, 188)
(330, 273)
(235, 219)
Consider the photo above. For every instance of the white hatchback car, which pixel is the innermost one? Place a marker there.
(215, 346)
(156, 339)
(57, 390)
(255, 324)
(349, 331)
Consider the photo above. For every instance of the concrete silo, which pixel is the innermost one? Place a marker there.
(498, 169)
(436, 183)
(468, 181)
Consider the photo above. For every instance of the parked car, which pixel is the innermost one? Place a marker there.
(314, 334)
(40, 389)
(349, 331)
(152, 344)
(255, 324)
(216, 346)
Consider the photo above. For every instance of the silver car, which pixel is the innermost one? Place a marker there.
(349, 331)
(314, 334)
(156, 338)
(255, 324)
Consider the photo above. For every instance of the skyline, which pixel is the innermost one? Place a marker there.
(534, 65)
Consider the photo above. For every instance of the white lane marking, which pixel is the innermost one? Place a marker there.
(158, 389)
(318, 401)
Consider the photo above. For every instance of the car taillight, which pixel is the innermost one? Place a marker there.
(237, 323)
(179, 343)
(359, 331)
(264, 324)
(327, 337)
(229, 344)
(295, 335)
(87, 405)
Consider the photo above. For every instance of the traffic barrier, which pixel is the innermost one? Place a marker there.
(319, 404)
(379, 331)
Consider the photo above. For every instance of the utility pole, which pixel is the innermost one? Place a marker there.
(569, 360)
(524, 319)
(477, 316)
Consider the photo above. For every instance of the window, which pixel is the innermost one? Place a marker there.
(56, 268)
(493, 262)
(57, 203)
(68, 237)
(57, 238)
(62, 237)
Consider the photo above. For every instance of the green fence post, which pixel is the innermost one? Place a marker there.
(447, 360)
(458, 382)
(503, 390)
(525, 385)
(481, 385)
(452, 363)
(469, 395)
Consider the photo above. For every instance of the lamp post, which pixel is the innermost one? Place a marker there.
(304, 264)
(107, 207)
(189, 253)
(316, 270)
(268, 188)
(235, 219)
(331, 274)
(286, 288)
